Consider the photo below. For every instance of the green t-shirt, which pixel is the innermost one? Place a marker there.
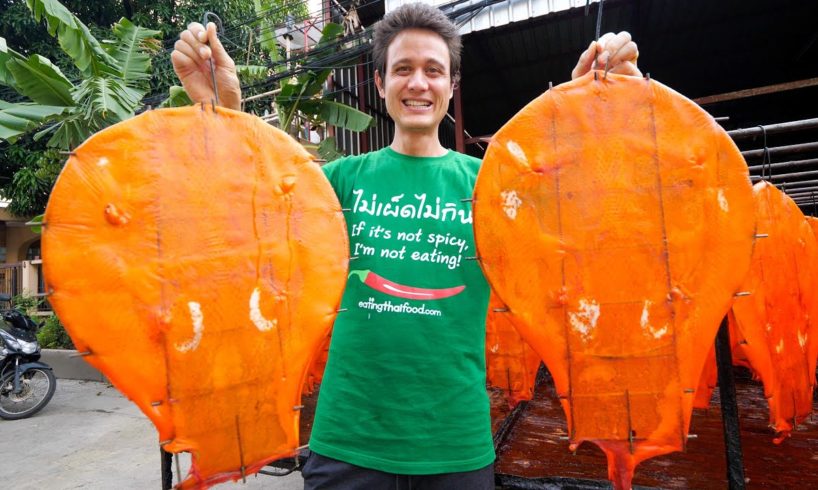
(404, 387)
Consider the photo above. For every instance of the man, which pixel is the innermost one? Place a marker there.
(403, 401)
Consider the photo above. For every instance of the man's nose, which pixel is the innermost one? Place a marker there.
(418, 80)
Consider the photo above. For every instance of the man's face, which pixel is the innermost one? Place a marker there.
(417, 84)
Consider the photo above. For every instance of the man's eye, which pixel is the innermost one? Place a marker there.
(402, 69)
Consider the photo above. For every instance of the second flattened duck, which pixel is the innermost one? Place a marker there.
(615, 219)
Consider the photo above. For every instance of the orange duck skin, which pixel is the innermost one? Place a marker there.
(511, 364)
(200, 258)
(776, 323)
(813, 223)
(709, 378)
(615, 219)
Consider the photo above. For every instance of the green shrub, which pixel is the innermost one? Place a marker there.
(26, 304)
(52, 335)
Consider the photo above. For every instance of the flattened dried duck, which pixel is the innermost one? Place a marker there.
(615, 218)
(198, 258)
(778, 322)
(511, 364)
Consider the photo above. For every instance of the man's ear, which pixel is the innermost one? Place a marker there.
(455, 84)
(379, 84)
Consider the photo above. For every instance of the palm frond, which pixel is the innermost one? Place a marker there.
(74, 37)
(40, 80)
(7, 54)
(16, 119)
(132, 51)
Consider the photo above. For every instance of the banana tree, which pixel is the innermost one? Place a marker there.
(304, 92)
(304, 95)
(115, 77)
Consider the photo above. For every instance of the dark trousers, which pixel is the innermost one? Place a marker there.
(323, 473)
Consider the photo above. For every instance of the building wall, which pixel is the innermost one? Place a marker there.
(15, 236)
(18, 239)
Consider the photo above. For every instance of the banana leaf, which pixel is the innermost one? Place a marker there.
(74, 37)
(328, 151)
(252, 73)
(110, 98)
(338, 114)
(267, 35)
(177, 97)
(131, 51)
(41, 81)
(6, 54)
(16, 119)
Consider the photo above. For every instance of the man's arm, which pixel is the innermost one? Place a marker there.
(190, 57)
(618, 50)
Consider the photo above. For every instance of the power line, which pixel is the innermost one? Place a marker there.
(234, 27)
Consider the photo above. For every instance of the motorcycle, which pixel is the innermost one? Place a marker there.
(26, 385)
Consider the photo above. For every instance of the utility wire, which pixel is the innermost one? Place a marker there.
(325, 57)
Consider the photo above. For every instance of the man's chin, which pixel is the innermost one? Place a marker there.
(419, 125)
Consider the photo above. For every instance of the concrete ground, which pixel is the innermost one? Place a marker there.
(89, 436)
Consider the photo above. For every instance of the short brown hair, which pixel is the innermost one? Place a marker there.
(416, 16)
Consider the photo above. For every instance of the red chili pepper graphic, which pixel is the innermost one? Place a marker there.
(384, 285)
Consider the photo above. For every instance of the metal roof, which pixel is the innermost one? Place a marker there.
(700, 48)
(481, 14)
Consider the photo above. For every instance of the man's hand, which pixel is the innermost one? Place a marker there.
(190, 62)
(616, 49)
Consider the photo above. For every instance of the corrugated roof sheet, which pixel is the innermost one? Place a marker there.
(497, 14)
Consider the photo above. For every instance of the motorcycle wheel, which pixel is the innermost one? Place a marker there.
(38, 388)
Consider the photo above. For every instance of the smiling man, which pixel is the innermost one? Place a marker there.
(403, 401)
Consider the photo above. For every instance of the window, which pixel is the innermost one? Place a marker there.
(33, 252)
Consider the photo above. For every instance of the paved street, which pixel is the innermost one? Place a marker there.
(89, 436)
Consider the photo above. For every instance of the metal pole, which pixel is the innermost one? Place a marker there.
(362, 98)
(459, 137)
(794, 175)
(781, 150)
(804, 189)
(736, 134)
(790, 164)
(774, 128)
(167, 469)
(751, 92)
(795, 185)
(729, 409)
(808, 193)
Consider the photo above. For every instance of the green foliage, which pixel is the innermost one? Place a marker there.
(132, 52)
(52, 335)
(36, 223)
(303, 93)
(7, 55)
(39, 80)
(177, 98)
(17, 119)
(344, 116)
(252, 73)
(32, 171)
(115, 79)
(26, 304)
(328, 151)
(267, 38)
(60, 93)
(74, 37)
